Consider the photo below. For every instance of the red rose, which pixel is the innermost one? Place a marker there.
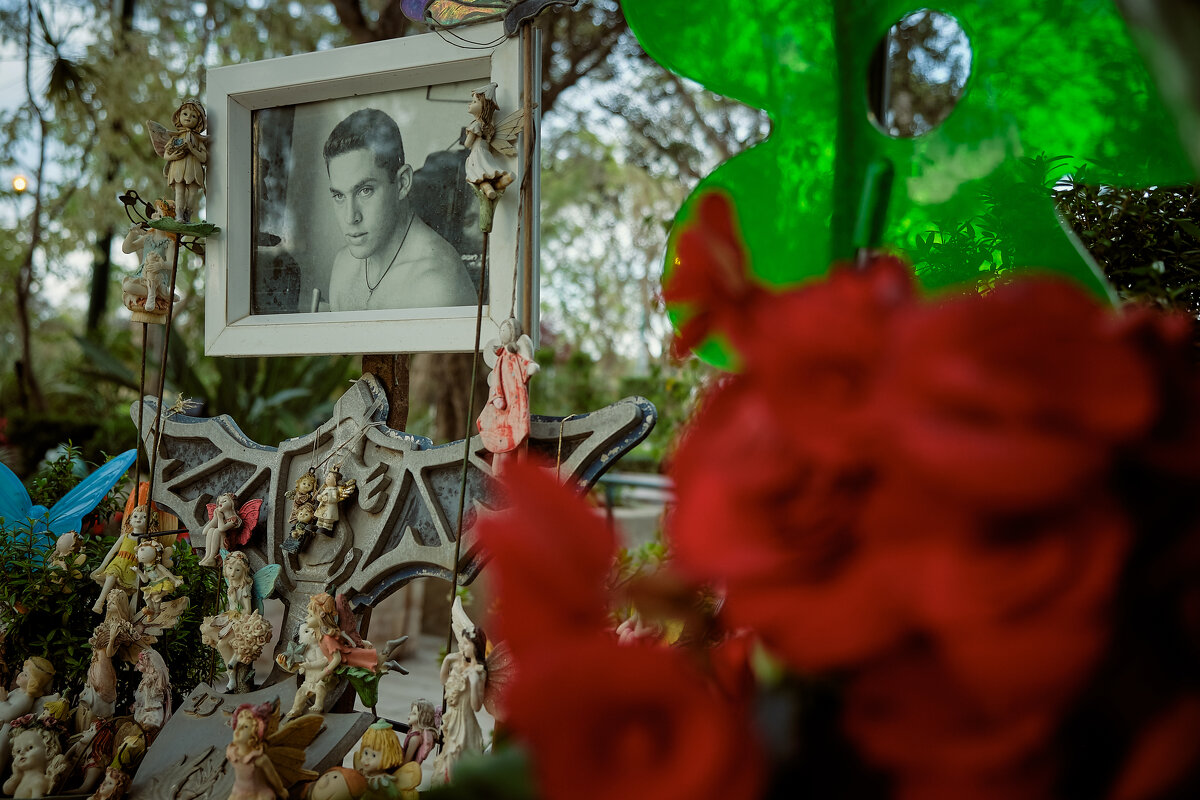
(710, 277)
(604, 720)
(550, 559)
(777, 528)
(907, 714)
(1013, 400)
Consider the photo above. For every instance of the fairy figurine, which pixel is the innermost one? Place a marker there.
(66, 560)
(145, 294)
(228, 526)
(241, 631)
(303, 514)
(152, 698)
(267, 758)
(424, 719)
(486, 140)
(156, 580)
(380, 759)
(464, 676)
(117, 570)
(186, 152)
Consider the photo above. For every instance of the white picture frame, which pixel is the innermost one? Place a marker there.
(320, 86)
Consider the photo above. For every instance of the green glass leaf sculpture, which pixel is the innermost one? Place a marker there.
(1052, 84)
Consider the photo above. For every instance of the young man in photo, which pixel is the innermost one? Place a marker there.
(392, 259)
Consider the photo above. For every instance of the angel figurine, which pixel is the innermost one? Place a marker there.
(464, 675)
(504, 422)
(267, 758)
(145, 294)
(228, 526)
(152, 698)
(157, 581)
(186, 152)
(241, 632)
(328, 498)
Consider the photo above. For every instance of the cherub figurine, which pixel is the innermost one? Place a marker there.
(380, 759)
(328, 498)
(145, 294)
(37, 760)
(266, 758)
(66, 560)
(504, 422)
(115, 785)
(424, 719)
(117, 570)
(464, 675)
(228, 526)
(486, 140)
(157, 581)
(186, 152)
(33, 683)
(152, 698)
(328, 642)
(315, 665)
(303, 527)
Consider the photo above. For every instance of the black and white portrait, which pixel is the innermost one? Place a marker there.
(361, 203)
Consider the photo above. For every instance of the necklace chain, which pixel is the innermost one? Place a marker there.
(371, 289)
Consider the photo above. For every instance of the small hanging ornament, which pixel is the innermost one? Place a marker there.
(504, 422)
(329, 497)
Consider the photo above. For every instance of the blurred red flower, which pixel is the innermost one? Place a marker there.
(604, 720)
(551, 556)
(1015, 400)
(710, 276)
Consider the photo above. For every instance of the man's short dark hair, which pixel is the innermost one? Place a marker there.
(368, 129)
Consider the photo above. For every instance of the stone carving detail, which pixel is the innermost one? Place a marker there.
(400, 523)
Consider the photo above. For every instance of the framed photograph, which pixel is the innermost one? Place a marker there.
(339, 182)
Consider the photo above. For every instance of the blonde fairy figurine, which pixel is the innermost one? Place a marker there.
(186, 152)
(118, 569)
(380, 759)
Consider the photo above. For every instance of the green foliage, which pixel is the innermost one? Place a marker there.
(47, 611)
(1147, 240)
(503, 774)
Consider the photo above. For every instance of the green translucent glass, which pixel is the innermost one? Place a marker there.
(1047, 79)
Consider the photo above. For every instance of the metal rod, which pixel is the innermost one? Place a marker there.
(137, 462)
(162, 369)
(462, 489)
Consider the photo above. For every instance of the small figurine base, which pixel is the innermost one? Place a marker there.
(149, 317)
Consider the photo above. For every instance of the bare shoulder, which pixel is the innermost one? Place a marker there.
(438, 275)
(345, 267)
